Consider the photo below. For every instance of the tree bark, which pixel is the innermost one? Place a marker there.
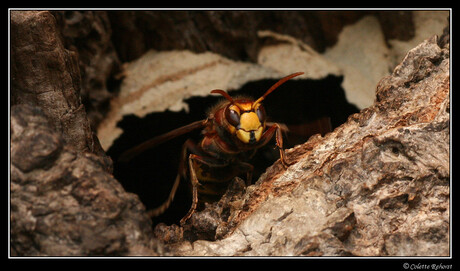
(47, 75)
(63, 202)
(378, 185)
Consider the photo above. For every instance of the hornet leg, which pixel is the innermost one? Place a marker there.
(209, 161)
(275, 129)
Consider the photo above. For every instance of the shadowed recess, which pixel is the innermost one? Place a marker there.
(151, 174)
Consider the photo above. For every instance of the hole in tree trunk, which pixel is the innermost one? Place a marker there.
(151, 174)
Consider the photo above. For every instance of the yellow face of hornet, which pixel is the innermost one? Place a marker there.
(246, 117)
(247, 123)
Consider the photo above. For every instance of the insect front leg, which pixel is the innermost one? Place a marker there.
(275, 129)
(195, 183)
(204, 160)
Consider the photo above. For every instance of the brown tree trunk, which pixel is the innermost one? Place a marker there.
(47, 75)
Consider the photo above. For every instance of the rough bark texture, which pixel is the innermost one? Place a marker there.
(378, 185)
(63, 202)
(45, 74)
(89, 34)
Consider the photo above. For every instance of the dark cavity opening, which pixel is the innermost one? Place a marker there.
(151, 174)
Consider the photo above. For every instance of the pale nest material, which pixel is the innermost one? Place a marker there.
(162, 80)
